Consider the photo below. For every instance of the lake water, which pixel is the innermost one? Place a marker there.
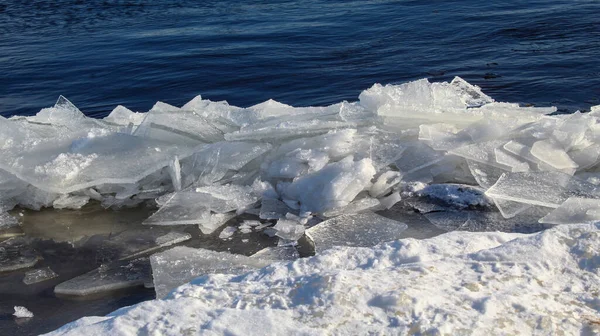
(103, 53)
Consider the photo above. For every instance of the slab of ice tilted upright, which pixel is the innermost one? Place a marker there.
(179, 265)
(548, 189)
(107, 278)
(417, 156)
(123, 116)
(484, 152)
(552, 154)
(586, 157)
(573, 211)
(39, 275)
(365, 229)
(334, 186)
(170, 124)
(16, 253)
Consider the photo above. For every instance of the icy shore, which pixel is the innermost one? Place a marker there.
(351, 174)
(458, 283)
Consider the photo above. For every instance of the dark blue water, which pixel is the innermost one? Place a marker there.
(103, 53)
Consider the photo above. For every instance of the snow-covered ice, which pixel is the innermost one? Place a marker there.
(457, 283)
(22, 312)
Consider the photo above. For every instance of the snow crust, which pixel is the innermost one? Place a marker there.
(457, 283)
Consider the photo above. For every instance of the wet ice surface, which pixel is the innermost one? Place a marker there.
(183, 184)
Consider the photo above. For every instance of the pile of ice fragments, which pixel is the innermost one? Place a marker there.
(445, 149)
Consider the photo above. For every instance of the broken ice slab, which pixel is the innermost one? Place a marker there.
(215, 221)
(364, 230)
(586, 157)
(133, 243)
(211, 162)
(69, 164)
(388, 201)
(385, 182)
(485, 175)
(288, 229)
(179, 265)
(552, 154)
(67, 201)
(195, 206)
(107, 278)
(123, 116)
(509, 209)
(483, 152)
(548, 189)
(356, 206)
(287, 129)
(334, 186)
(171, 124)
(573, 211)
(272, 208)
(227, 232)
(508, 159)
(16, 253)
(417, 156)
(39, 275)
(477, 221)
(277, 253)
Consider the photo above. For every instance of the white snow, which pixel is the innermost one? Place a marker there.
(457, 283)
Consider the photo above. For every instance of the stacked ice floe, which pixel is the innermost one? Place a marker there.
(207, 162)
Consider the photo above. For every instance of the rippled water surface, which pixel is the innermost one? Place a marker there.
(103, 53)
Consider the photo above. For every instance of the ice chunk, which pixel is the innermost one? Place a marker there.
(481, 152)
(550, 153)
(366, 229)
(508, 159)
(39, 275)
(22, 312)
(67, 201)
(171, 124)
(573, 211)
(16, 253)
(195, 206)
(272, 208)
(215, 221)
(107, 278)
(123, 116)
(417, 156)
(172, 238)
(175, 173)
(384, 183)
(277, 253)
(179, 265)
(389, 201)
(227, 232)
(289, 229)
(355, 206)
(548, 189)
(334, 186)
(586, 157)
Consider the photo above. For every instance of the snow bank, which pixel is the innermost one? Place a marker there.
(456, 284)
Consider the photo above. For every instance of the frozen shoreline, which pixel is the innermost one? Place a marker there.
(459, 283)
